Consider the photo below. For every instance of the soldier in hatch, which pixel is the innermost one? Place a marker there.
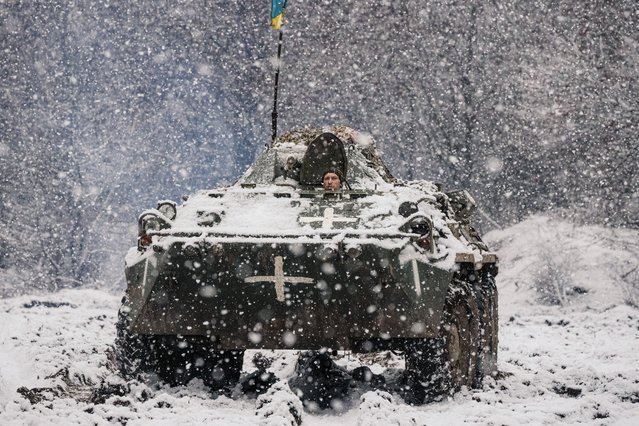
(331, 181)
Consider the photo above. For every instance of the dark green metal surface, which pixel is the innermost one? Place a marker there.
(326, 298)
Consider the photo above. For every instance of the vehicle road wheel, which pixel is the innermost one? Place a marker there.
(487, 357)
(131, 352)
(435, 367)
(175, 363)
(460, 331)
(422, 380)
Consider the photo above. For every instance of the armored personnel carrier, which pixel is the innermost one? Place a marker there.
(275, 261)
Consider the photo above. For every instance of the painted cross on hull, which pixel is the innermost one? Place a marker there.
(278, 278)
(328, 219)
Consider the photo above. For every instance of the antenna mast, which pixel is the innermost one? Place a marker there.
(277, 79)
(277, 18)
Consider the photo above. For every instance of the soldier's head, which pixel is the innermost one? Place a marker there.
(331, 180)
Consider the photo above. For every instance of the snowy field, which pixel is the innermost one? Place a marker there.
(569, 351)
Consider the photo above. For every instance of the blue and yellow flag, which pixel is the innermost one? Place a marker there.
(277, 13)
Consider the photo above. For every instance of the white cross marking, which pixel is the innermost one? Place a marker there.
(418, 283)
(278, 278)
(328, 219)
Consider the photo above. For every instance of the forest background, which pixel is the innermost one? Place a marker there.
(107, 107)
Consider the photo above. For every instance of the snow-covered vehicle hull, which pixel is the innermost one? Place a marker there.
(276, 262)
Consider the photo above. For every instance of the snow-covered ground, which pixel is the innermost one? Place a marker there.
(569, 351)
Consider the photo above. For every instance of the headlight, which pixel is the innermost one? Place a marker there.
(151, 224)
(168, 209)
(422, 226)
(149, 221)
(419, 225)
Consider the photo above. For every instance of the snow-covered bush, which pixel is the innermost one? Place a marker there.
(279, 406)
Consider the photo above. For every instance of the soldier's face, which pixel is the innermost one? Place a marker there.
(332, 182)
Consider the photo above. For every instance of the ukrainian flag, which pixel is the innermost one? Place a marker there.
(277, 13)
